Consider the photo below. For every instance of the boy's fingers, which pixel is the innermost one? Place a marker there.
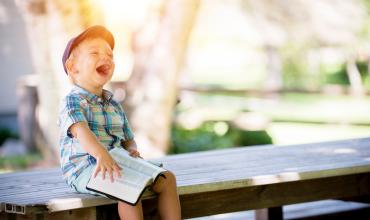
(134, 153)
(97, 169)
(111, 176)
(117, 169)
(103, 172)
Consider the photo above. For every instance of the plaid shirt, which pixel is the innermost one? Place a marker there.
(104, 116)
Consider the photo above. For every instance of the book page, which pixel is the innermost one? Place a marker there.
(127, 187)
(123, 158)
(136, 174)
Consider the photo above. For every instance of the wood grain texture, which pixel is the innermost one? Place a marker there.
(260, 177)
(273, 195)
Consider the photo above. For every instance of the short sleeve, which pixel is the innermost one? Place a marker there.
(71, 112)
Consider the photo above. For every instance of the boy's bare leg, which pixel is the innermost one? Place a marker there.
(129, 212)
(168, 200)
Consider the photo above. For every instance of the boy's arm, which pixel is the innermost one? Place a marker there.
(91, 145)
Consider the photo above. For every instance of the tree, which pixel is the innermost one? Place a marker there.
(321, 23)
(49, 26)
(152, 88)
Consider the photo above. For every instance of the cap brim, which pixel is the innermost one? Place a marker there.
(95, 32)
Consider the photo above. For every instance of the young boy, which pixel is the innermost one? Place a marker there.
(92, 123)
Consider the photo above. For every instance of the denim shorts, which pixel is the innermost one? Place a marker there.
(79, 184)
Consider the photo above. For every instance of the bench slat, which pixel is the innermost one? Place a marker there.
(206, 171)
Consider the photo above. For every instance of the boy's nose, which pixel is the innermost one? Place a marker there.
(106, 58)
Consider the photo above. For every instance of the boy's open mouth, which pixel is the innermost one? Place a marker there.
(103, 69)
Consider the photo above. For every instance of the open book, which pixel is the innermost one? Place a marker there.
(137, 175)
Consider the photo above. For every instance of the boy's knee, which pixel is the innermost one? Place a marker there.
(166, 182)
(170, 177)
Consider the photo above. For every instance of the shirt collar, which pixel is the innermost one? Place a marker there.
(106, 96)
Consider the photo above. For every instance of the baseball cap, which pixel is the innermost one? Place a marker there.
(95, 31)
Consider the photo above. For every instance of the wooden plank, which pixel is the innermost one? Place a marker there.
(25, 174)
(236, 168)
(86, 214)
(219, 182)
(215, 161)
(272, 195)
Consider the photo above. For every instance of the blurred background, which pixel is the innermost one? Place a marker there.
(191, 75)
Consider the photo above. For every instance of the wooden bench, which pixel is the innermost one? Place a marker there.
(262, 178)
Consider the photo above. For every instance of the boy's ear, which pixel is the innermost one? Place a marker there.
(70, 66)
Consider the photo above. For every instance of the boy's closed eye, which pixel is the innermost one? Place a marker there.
(97, 53)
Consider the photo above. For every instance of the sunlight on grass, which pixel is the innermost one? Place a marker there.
(290, 118)
(2, 170)
(293, 133)
(320, 108)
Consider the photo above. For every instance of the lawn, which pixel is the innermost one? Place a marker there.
(288, 119)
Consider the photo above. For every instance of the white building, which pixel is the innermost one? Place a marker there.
(15, 60)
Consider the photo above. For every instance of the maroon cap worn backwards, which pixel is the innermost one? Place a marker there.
(96, 31)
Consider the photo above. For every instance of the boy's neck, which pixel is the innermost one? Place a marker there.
(96, 91)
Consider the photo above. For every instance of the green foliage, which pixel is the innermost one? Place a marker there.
(297, 73)
(293, 76)
(5, 134)
(365, 31)
(205, 138)
(340, 76)
(363, 68)
(17, 162)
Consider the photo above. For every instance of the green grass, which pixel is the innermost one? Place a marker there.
(320, 108)
(214, 135)
(288, 107)
(291, 118)
(18, 162)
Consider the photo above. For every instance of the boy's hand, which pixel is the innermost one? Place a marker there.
(105, 163)
(131, 147)
(133, 152)
(91, 145)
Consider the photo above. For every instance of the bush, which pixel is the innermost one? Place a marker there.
(5, 134)
(206, 138)
(17, 162)
(340, 77)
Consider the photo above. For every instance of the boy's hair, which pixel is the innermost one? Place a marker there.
(96, 31)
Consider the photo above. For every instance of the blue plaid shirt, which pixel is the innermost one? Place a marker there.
(104, 116)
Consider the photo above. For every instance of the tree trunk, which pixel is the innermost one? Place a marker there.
(274, 80)
(354, 76)
(152, 88)
(50, 24)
